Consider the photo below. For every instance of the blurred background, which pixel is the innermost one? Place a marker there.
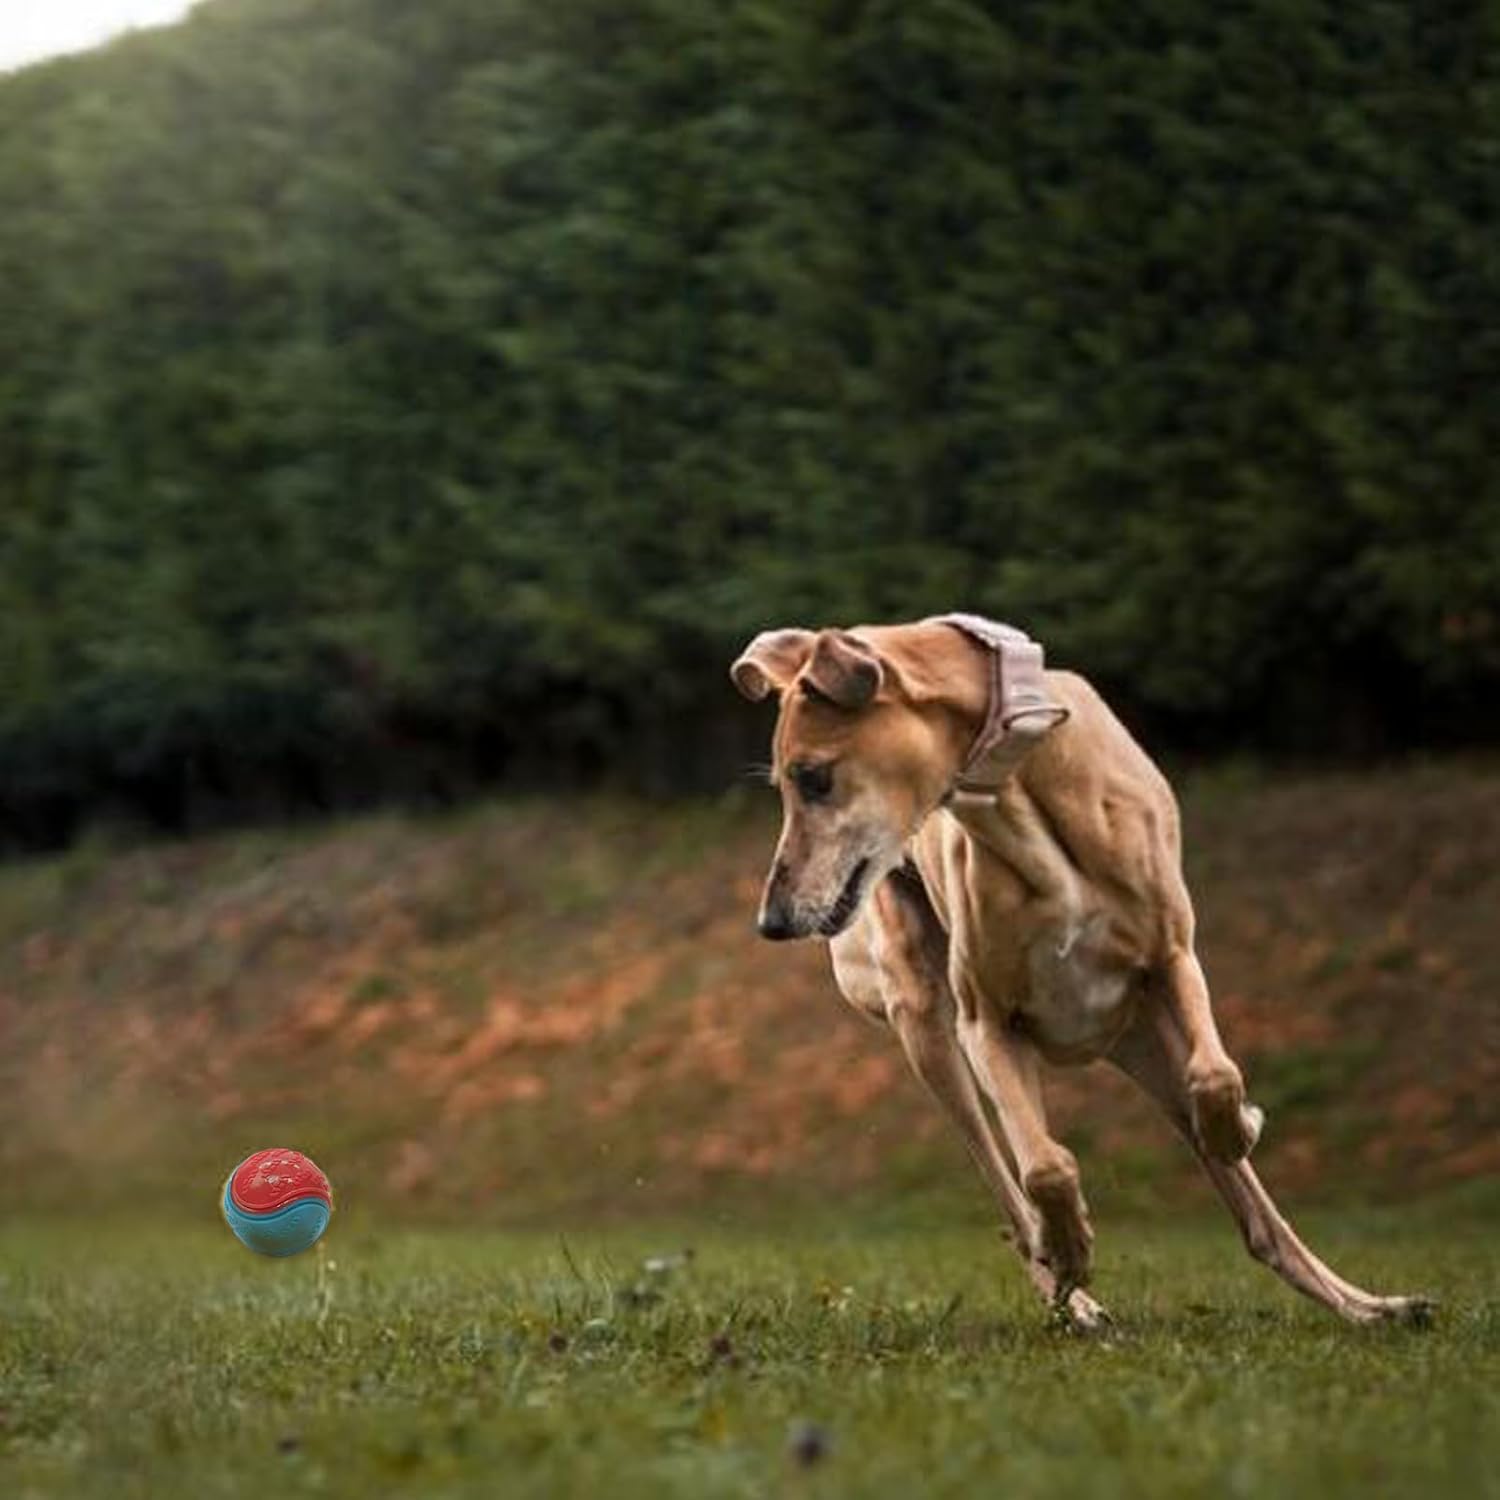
(407, 411)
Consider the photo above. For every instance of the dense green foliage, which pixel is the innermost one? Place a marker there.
(393, 390)
(831, 1360)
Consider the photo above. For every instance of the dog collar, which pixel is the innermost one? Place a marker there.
(1020, 711)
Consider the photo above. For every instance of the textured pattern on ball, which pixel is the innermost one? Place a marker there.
(277, 1202)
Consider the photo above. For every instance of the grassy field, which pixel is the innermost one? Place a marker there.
(527, 1015)
(874, 1358)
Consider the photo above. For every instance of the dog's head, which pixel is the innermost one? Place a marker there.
(859, 758)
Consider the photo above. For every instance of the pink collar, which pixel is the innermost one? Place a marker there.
(1020, 711)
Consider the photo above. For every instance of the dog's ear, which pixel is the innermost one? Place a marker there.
(770, 662)
(843, 670)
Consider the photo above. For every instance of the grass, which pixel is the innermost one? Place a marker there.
(833, 1357)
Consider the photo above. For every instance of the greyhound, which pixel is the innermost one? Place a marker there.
(996, 866)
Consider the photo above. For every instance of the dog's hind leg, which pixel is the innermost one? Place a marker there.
(1156, 1054)
(900, 947)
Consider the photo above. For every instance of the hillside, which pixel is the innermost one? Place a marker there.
(546, 1007)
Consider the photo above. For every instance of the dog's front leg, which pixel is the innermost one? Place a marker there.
(1008, 1067)
(1227, 1127)
(893, 962)
(1005, 821)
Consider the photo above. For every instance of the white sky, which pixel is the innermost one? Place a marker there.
(34, 29)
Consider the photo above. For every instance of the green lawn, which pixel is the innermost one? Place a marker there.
(156, 1363)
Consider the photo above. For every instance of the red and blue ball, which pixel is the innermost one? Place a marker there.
(277, 1202)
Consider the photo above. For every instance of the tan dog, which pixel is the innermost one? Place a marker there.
(1041, 915)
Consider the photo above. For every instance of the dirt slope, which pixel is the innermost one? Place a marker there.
(545, 1007)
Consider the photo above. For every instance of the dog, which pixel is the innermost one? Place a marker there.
(996, 866)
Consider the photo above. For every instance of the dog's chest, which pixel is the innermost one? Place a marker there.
(1058, 962)
(1064, 972)
(1075, 997)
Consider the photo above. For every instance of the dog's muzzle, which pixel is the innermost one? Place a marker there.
(780, 920)
(843, 909)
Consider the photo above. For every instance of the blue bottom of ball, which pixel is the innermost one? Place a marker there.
(287, 1231)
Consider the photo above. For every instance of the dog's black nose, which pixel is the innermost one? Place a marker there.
(775, 925)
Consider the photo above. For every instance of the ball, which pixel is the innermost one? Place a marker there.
(277, 1202)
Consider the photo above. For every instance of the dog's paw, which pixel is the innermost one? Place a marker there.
(1414, 1312)
(1067, 1239)
(1080, 1313)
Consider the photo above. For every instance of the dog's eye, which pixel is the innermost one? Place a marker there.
(813, 783)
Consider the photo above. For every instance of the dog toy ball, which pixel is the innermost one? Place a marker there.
(277, 1202)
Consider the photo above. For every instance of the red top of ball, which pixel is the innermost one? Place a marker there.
(271, 1179)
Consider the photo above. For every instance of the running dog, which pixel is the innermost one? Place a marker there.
(996, 867)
